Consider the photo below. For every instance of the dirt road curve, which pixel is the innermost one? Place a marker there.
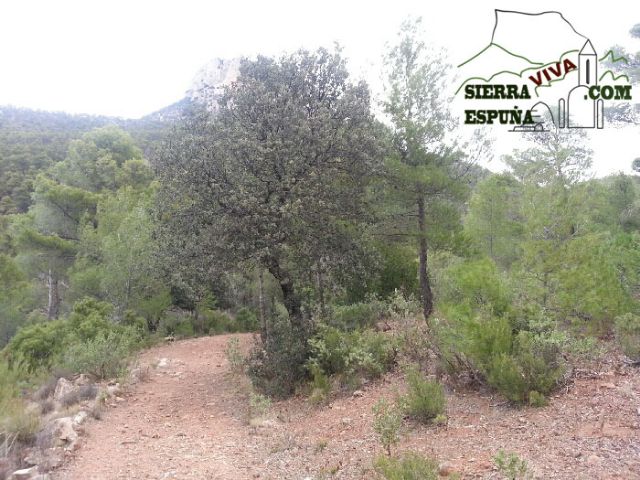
(189, 420)
(184, 422)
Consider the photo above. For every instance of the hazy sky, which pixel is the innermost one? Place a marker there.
(129, 58)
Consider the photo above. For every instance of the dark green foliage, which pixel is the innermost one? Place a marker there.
(184, 329)
(33, 141)
(398, 270)
(515, 364)
(473, 286)
(246, 320)
(534, 365)
(357, 316)
(410, 466)
(178, 324)
(278, 177)
(352, 354)
(104, 356)
(627, 328)
(276, 365)
(136, 322)
(42, 345)
(36, 346)
(425, 399)
(217, 322)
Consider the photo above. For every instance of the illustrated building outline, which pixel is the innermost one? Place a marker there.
(579, 110)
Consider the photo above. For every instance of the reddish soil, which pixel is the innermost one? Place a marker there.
(189, 420)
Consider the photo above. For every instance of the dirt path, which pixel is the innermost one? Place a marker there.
(186, 421)
(190, 421)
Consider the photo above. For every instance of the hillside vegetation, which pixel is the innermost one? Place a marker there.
(354, 248)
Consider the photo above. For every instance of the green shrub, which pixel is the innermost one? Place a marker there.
(386, 423)
(535, 365)
(401, 306)
(246, 320)
(350, 354)
(320, 385)
(217, 322)
(105, 356)
(138, 323)
(41, 345)
(184, 329)
(398, 270)
(357, 316)
(512, 466)
(627, 329)
(170, 320)
(537, 399)
(485, 338)
(425, 399)
(37, 346)
(505, 375)
(276, 366)
(514, 364)
(409, 467)
(90, 318)
(473, 286)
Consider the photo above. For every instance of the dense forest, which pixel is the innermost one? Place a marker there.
(294, 212)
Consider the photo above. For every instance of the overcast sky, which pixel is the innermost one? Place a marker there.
(129, 58)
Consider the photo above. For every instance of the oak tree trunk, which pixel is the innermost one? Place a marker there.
(261, 306)
(289, 296)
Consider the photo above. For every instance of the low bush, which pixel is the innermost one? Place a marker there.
(411, 466)
(276, 365)
(512, 466)
(320, 385)
(515, 364)
(352, 354)
(534, 365)
(41, 346)
(105, 356)
(473, 286)
(184, 329)
(387, 420)
(400, 306)
(425, 399)
(627, 330)
(136, 322)
(357, 316)
(37, 346)
(246, 320)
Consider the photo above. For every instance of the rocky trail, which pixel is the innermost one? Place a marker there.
(189, 420)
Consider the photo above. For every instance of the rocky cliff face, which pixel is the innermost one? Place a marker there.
(208, 84)
(206, 88)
